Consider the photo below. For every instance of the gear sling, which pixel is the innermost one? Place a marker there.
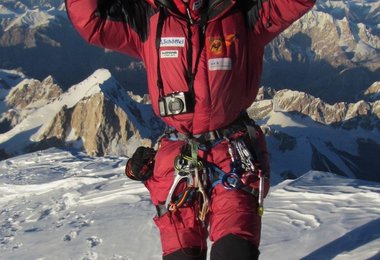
(247, 165)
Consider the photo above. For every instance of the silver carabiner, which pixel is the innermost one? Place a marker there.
(245, 155)
(178, 177)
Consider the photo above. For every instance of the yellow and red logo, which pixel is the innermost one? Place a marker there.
(217, 46)
(230, 39)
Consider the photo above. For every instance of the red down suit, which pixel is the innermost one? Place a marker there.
(228, 62)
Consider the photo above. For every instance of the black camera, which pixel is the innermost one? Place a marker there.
(175, 104)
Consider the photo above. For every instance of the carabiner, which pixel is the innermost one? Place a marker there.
(179, 176)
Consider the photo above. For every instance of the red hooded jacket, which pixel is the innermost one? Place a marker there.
(230, 59)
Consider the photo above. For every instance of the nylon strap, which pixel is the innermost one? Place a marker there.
(161, 19)
(190, 73)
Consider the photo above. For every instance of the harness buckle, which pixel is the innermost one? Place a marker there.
(231, 181)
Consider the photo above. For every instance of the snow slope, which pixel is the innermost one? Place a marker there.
(59, 205)
(310, 136)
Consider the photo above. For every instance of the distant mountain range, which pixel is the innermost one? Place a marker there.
(100, 117)
(331, 53)
(304, 133)
(37, 38)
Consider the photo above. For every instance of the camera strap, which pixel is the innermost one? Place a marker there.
(190, 73)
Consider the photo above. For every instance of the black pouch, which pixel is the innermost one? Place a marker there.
(140, 166)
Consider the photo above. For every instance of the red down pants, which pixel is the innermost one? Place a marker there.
(231, 211)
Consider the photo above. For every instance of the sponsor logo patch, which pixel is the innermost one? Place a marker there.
(230, 39)
(169, 54)
(220, 64)
(172, 42)
(218, 46)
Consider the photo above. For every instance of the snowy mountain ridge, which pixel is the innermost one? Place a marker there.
(31, 18)
(359, 11)
(304, 132)
(344, 42)
(41, 115)
(342, 113)
(78, 115)
(332, 52)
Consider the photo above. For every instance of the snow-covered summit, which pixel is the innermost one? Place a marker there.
(96, 115)
(359, 11)
(23, 14)
(72, 206)
(44, 114)
(31, 91)
(31, 18)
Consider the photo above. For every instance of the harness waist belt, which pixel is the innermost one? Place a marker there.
(208, 137)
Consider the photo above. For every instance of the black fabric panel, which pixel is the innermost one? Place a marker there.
(136, 13)
(216, 7)
(187, 254)
(169, 4)
(251, 9)
(234, 247)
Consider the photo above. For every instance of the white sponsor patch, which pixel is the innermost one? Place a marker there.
(169, 54)
(172, 42)
(220, 64)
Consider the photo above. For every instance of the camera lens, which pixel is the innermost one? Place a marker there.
(175, 105)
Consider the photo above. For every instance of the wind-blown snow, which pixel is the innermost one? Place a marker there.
(58, 205)
(322, 216)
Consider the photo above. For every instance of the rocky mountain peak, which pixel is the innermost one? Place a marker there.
(341, 113)
(332, 52)
(94, 123)
(373, 92)
(96, 115)
(311, 133)
(31, 90)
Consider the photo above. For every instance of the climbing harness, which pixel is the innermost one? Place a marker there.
(202, 176)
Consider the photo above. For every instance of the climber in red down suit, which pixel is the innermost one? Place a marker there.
(204, 59)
